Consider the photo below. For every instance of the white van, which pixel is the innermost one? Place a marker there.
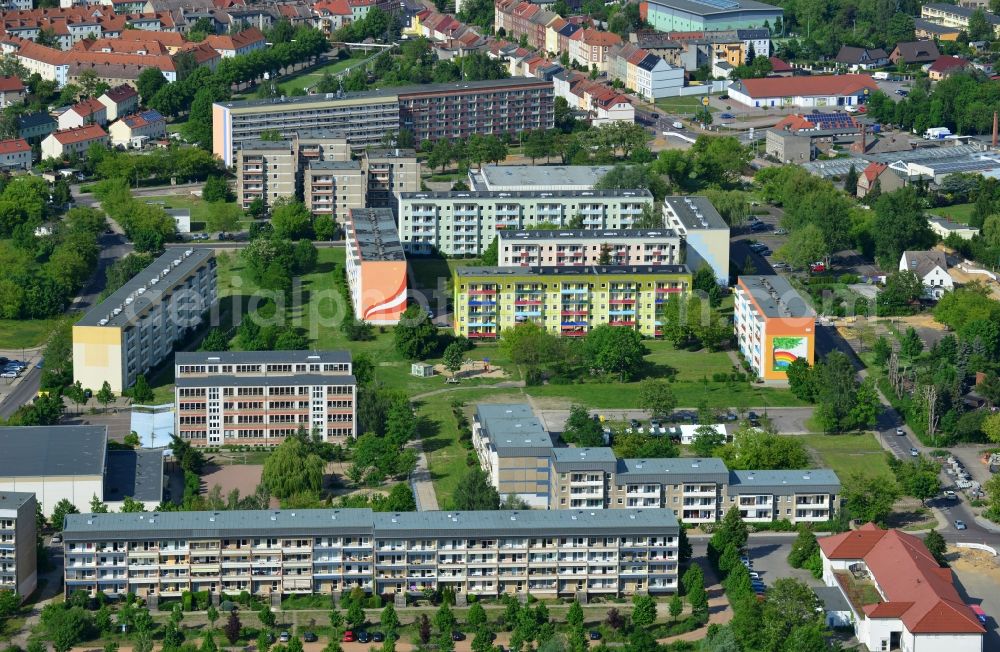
(677, 124)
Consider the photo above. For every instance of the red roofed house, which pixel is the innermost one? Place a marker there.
(15, 154)
(11, 91)
(88, 111)
(241, 43)
(917, 608)
(819, 91)
(590, 47)
(120, 100)
(73, 141)
(945, 66)
(780, 68)
(888, 179)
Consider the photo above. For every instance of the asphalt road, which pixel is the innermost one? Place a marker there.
(23, 393)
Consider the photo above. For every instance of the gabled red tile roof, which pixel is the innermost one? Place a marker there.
(794, 122)
(9, 84)
(917, 591)
(593, 37)
(14, 145)
(947, 62)
(234, 42)
(88, 107)
(777, 65)
(874, 171)
(79, 134)
(120, 94)
(829, 85)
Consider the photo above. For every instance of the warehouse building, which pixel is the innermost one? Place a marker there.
(18, 543)
(137, 326)
(816, 91)
(328, 551)
(376, 266)
(708, 15)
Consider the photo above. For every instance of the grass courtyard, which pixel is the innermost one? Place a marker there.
(25, 333)
(308, 79)
(847, 454)
(958, 213)
(682, 104)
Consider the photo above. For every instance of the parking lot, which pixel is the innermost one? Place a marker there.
(769, 556)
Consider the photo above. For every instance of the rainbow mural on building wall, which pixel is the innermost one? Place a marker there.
(784, 351)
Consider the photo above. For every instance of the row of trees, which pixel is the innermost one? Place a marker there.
(148, 226)
(963, 102)
(181, 164)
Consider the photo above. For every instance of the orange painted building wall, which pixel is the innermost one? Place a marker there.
(383, 291)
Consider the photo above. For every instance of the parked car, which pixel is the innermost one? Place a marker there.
(902, 92)
(780, 232)
(595, 635)
(8, 374)
(914, 452)
(348, 637)
(56, 538)
(900, 432)
(727, 116)
(363, 637)
(377, 637)
(817, 268)
(754, 575)
(309, 637)
(960, 525)
(283, 637)
(457, 636)
(950, 495)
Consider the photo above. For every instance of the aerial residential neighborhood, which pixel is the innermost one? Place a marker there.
(489, 326)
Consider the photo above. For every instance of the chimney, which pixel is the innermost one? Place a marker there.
(994, 130)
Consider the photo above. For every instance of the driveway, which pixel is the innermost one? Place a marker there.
(978, 577)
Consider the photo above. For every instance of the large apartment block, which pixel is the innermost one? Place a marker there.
(327, 551)
(465, 223)
(259, 398)
(390, 171)
(521, 460)
(429, 111)
(136, 327)
(18, 543)
(265, 170)
(375, 266)
(583, 247)
(334, 187)
(773, 325)
(567, 301)
(705, 233)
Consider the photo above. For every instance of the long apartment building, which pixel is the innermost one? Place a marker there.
(388, 171)
(327, 551)
(375, 266)
(520, 459)
(259, 398)
(465, 223)
(429, 111)
(774, 325)
(266, 170)
(334, 187)
(583, 247)
(18, 543)
(137, 326)
(566, 301)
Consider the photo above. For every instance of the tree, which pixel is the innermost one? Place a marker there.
(131, 505)
(424, 629)
(105, 395)
(476, 617)
(790, 604)
(869, 498)
(851, 181)
(804, 547)
(732, 531)
(216, 190)
(62, 508)
(900, 225)
(212, 614)
(233, 628)
(141, 392)
(657, 397)
(291, 220)
(581, 429)
(149, 81)
(454, 355)
(801, 380)
(574, 617)
(616, 350)
(355, 614)
(805, 246)
(979, 28)
(752, 448)
(643, 610)
(707, 440)
(444, 619)
(415, 336)
(389, 619)
(266, 616)
(937, 546)
(474, 491)
(902, 290)
(676, 607)
(293, 469)
(910, 345)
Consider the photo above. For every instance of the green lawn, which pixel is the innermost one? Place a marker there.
(957, 213)
(199, 208)
(25, 333)
(684, 104)
(311, 78)
(847, 454)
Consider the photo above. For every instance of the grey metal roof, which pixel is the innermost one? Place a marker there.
(506, 177)
(373, 232)
(391, 94)
(776, 297)
(507, 235)
(717, 8)
(187, 262)
(513, 429)
(136, 473)
(14, 499)
(695, 212)
(607, 270)
(675, 470)
(559, 522)
(584, 459)
(260, 357)
(783, 482)
(225, 380)
(36, 119)
(205, 525)
(37, 451)
(459, 195)
(832, 598)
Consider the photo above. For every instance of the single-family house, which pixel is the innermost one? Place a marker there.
(923, 51)
(861, 58)
(931, 267)
(11, 91)
(119, 101)
(886, 177)
(133, 131)
(73, 141)
(947, 65)
(86, 112)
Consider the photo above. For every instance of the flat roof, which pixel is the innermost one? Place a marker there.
(390, 152)
(251, 145)
(525, 194)
(38, 451)
(261, 380)
(260, 357)
(673, 470)
(695, 212)
(716, 7)
(177, 265)
(600, 458)
(513, 429)
(832, 598)
(822, 480)
(14, 499)
(373, 232)
(334, 165)
(515, 176)
(775, 296)
(586, 234)
(588, 270)
(136, 473)
(391, 93)
(318, 522)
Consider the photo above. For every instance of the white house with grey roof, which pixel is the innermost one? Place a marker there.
(931, 267)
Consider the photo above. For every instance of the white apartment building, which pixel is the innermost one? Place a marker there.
(327, 551)
(261, 397)
(465, 223)
(705, 233)
(18, 543)
(136, 327)
(800, 496)
(582, 247)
